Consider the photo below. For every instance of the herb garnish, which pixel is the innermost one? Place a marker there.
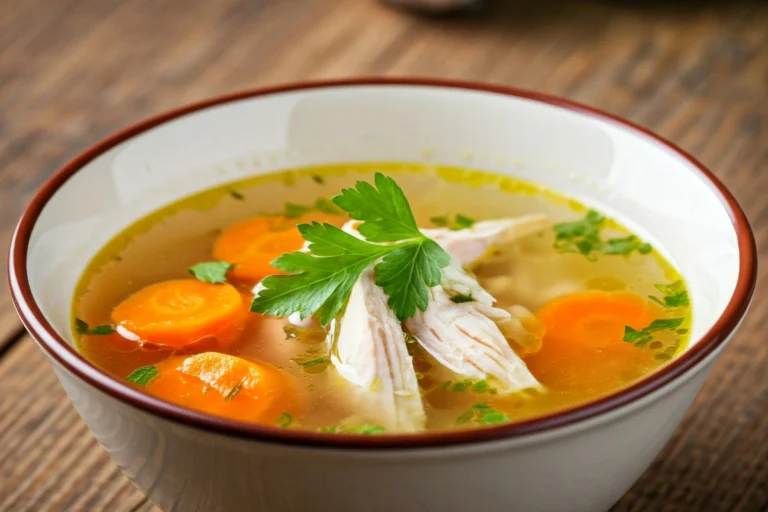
(318, 179)
(321, 280)
(460, 298)
(583, 237)
(675, 295)
(476, 386)
(460, 222)
(482, 414)
(82, 327)
(234, 391)
(294, 211)
(285, 420)
(142, 376)
(211, 271)
(366, 430)
(641, 338)
(237, 195)
(313, 362)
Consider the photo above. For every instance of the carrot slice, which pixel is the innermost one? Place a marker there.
(225, 385)
(183, 312)
(583, 349)
(253, 244)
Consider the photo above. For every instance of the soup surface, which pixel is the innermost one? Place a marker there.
(593, 308)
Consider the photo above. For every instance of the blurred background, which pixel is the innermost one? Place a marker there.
(73, 71)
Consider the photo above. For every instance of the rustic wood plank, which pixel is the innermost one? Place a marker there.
(73, 71)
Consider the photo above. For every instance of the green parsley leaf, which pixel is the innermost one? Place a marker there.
(460, 387)
(476, 386)
(313, 362)
(234, 391)
(675, 295)
(211, 271)
(623, 246)
(82, 328)
(482, 414)
(142, 376)
(482, 386)
(441, 222)
(641, 338)
(460, 298)
(632, 335)
(671, 289)
(462, 222)
(237, 195)
(384, 210)
(285, 420)
(319, 281)
(293, 211)
(407, 274)
(665, 323)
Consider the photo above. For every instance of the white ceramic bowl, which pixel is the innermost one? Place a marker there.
(582, 459)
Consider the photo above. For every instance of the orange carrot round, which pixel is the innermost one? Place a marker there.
(183, 312)
(225, 385)
(253, 244)
(583, 349)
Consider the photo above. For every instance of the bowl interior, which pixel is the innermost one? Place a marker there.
(622, 171)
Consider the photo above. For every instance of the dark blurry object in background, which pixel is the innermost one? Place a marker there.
(435, 6)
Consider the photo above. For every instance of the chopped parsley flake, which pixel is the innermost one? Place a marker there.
(642, 337)
(285, 420)
(82, 328)
(143, 376)
(313, 362)
(461, 298)
(459, 222)
(211, 271)
(237, 195)
(583, 237)
(675, 295)
(482, 414)
(476, 386)
(234, 391)
(294, 211)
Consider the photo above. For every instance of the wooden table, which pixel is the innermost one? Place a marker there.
(73, 71)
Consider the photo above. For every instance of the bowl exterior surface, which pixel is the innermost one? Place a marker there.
(583, 469)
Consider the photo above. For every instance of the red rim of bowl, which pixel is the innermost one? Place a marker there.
(66, 356)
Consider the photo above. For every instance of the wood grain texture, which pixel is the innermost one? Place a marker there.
(73, 71)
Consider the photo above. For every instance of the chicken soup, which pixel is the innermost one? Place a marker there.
(377, 298)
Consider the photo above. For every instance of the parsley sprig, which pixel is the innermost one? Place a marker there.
(407, 263)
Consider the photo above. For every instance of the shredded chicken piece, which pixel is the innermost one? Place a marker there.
(467, 246)
(368, 349)
(466, 337)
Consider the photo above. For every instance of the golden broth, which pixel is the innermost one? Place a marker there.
(530, 273)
